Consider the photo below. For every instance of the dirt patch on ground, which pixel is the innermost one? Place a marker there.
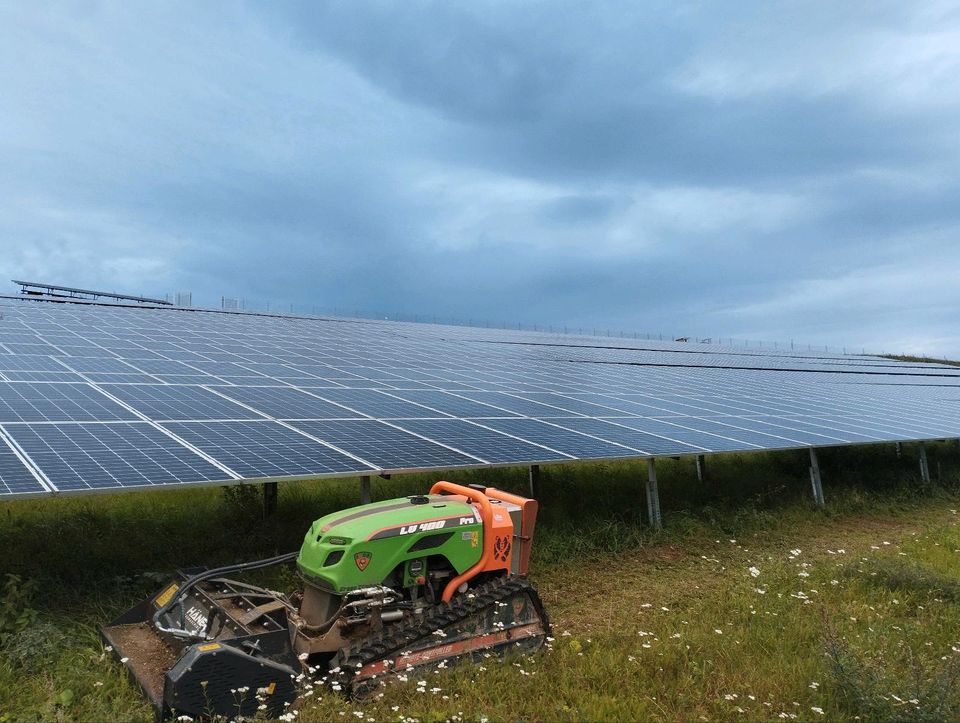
(148, 656)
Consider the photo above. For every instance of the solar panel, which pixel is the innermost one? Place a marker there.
(198, 378)
(120, 378)
(448, 403)
(671, 429)
(615, 406)
(224, 369)
(265, 449)
(888, 428)
(572, 404)
(163, 366)
(39, 402)
(787, 433)
(81, 457)
(288, 403)
(688, 427)
(372, 403)
(14, 376)
(515, 404)
(102, 365)
(561, 439)
(31, 349)
(481, 442)
(169, 402)
(15, 479)
(661, 404)
(822, 428)
(29, 362)
(384, 446)
(621, 432)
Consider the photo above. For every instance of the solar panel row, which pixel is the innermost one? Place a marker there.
(106, 397)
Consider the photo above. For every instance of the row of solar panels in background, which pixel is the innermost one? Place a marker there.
(47, 316)
(117, 455)
(161, 346)
(493, 374)
(60, 334)
(22, 402)
(93, 343)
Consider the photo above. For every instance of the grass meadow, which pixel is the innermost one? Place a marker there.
(750, 604)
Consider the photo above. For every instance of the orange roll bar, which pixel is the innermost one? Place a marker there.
(486, 515)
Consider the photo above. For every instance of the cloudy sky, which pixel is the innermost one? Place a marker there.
(760, 170)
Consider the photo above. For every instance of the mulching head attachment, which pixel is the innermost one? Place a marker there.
(206, 645)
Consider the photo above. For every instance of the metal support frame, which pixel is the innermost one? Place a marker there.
(535, 481)
(270, 495)
(924, 464)
(815, 480)
(701, 468)
(31, 288)
(899, 448)
(365, 490)
(653, 496)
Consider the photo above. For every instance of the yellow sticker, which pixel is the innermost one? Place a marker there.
(270, 688)
(208, 646)
(474, 539)
(164, 597)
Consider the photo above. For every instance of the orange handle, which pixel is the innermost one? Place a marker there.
(486, 515)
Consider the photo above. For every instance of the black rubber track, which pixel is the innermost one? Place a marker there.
(396, 638)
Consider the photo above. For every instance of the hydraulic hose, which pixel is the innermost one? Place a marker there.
(206, 575)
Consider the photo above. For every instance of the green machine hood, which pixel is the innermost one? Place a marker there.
(363, 545)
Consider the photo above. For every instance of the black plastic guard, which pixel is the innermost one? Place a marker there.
(222, 678)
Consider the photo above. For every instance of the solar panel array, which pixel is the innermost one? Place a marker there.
(99, 397)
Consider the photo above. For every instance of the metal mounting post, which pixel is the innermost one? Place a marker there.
(701, 468)
(899, 448)
(270, 494)
(815, 480)
(365, 490)
(535, 481)
(653, 495)
(924, 465)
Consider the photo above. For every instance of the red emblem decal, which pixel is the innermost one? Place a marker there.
(362, 559)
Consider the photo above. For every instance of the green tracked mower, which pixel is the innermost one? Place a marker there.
(387, 587)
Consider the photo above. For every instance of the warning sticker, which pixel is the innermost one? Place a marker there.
(164, 597)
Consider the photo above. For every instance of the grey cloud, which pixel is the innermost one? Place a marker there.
(718, 169)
